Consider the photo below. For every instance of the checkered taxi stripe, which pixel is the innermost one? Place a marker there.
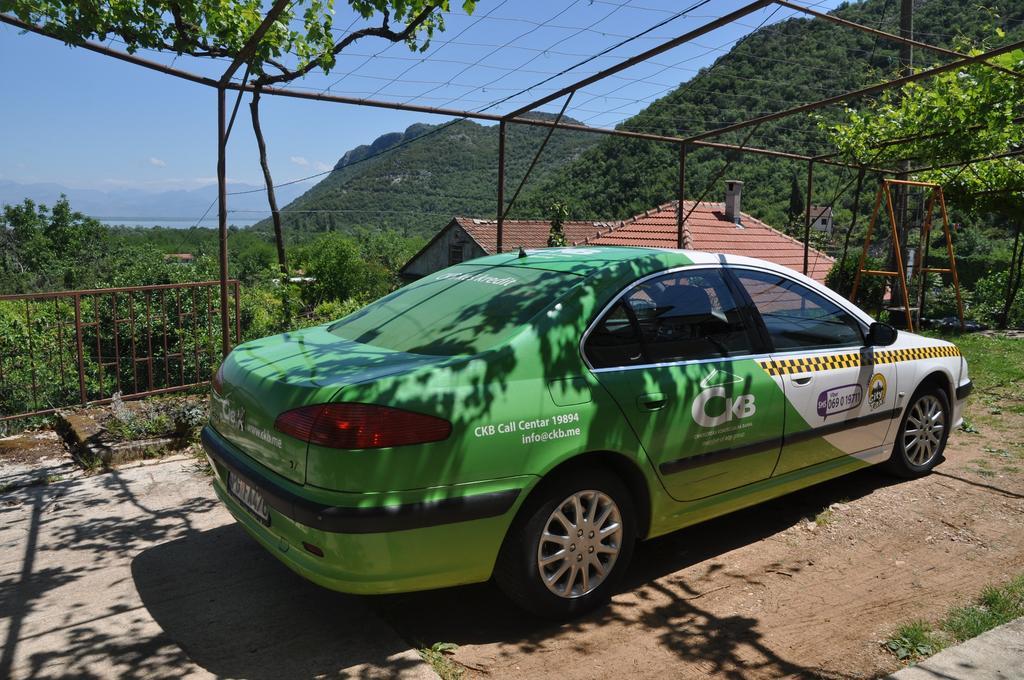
(892, 356)
(828, 362)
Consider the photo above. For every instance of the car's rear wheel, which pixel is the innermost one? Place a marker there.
(569, 546)
(922, 436)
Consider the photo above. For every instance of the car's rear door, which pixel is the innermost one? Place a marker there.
(839, 402)
(678, 352)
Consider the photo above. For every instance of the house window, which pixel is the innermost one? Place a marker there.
(455, 253)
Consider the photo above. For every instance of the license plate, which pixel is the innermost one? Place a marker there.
(250, 497)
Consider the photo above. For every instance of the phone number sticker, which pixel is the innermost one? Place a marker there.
(839, 399)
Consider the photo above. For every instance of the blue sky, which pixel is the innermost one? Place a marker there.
(88, 121)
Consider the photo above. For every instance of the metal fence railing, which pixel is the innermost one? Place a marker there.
(81, 346)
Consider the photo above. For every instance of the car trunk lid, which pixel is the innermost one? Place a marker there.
(264, 378)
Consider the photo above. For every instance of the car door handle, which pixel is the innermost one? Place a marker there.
(651, 402)
(803, 380)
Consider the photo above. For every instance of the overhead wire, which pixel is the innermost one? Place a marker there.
(436, 129)
(480, 64)
(552, 45)
(421, 60)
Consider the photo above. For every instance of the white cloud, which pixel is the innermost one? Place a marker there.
(153, 160)
(323, 167)
(298, 160)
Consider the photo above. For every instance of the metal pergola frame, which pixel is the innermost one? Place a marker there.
(703, 139)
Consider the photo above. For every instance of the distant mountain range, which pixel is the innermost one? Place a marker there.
(175, 208)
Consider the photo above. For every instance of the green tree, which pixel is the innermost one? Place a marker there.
(47, 248)
(796, 199)
(795, 214)
(300, 40)
(341, 272)
(951, 120)
(557, 212)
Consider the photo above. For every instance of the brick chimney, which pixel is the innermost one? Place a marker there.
(733, 192)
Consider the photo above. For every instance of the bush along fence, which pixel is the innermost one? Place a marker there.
(80, 347)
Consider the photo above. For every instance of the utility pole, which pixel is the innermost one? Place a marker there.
(906, 31)
(906, 69)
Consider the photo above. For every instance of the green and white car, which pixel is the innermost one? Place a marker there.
(529, 417)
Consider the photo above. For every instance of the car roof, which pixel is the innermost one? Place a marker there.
(585, 260)
(629, 263)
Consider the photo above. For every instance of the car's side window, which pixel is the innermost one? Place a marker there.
(681, 316)
(795, 316)
(615, 341)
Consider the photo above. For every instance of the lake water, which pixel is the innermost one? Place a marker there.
(210, 222)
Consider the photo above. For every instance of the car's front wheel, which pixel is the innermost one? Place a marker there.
(569, 546)
(922, 435)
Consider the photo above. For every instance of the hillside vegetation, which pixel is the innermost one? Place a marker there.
(773, 69)
(415, 181)
(438, 171)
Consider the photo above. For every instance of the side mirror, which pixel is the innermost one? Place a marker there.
(881, 335)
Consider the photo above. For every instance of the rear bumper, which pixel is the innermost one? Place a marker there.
(372, 544)
(357, 520)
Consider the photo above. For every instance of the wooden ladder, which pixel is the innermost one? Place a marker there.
(921, 268)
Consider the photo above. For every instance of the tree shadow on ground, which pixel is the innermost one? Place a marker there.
(93, 530)
(217, 598)
(222, 602)
(664, 605)
(238, 612)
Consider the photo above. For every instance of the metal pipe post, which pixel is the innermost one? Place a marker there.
(680, 213)
(807, 216)
(501, 182)
(222, 218)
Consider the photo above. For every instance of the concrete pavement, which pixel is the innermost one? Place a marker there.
(140, 573)
(995, 655)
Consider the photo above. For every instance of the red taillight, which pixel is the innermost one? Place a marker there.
(361, 426)
(218, 380)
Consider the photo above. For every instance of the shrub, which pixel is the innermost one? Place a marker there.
(871, 289)
(989, 296)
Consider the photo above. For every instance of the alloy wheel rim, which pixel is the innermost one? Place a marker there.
(924, 429)
(579, 544)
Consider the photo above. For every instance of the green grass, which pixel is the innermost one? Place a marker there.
(998, 460)
(139, 427)
(996, 366)
(438, 656)
(994, 362)
(995, 606)
(968, 426)
(914, 640)
(825, 517)
(201, 463)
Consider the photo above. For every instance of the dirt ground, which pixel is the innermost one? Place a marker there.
(807, 585)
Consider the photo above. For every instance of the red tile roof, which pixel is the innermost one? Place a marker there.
(526, 233)
(708, 230)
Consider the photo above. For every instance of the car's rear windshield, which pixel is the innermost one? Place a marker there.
(464, 309)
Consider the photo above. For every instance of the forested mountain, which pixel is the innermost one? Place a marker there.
(774, 68)
(415, 181)
(452, 170)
